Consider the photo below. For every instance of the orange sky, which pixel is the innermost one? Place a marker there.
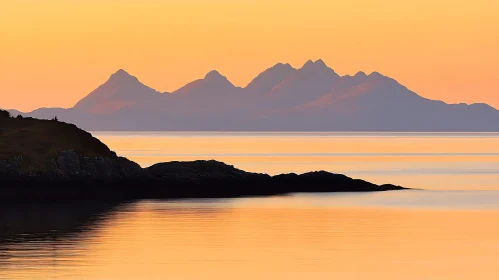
(54, 52)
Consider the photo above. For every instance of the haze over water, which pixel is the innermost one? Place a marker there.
(445, 232)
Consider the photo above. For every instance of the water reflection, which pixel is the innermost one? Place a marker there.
(42, 237)
(341, 236)
(47, 221)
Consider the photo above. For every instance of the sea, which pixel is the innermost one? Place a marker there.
(445, 227)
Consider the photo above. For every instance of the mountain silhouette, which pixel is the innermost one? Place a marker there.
(282, 98)
(213, 84)
(207, 100)
(311, 81)
(119, 91)
(269, 79)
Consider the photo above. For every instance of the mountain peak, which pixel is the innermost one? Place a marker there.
(376, 74)
(214, 77)
(308, 64)
(317, 65)
(270, 78)
(119, 91)
(214, 74)
(360, 74)
(281, 65)
(121, 72)
(122, 75)
(320, 62)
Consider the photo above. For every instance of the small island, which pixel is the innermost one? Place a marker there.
(45, 160)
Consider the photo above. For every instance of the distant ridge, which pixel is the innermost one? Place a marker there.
(281, 98)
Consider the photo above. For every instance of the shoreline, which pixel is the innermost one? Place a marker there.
(51, 160)
(176, 180)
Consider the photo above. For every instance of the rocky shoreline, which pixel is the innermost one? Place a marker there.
(72, 176)
(44, 160)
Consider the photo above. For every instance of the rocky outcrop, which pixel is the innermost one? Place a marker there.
(48, 160)
(200, 170)
(10, 166)
(68, 165)
(71, 176)
(217, 179)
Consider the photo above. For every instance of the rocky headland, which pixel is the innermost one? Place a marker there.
(52, 160)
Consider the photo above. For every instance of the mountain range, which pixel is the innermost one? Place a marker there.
(282, 98)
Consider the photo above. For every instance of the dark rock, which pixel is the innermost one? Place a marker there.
(12, 165)
(99, 178)
(200, 170)
(47, 160)
(68, 164)
(68, 161)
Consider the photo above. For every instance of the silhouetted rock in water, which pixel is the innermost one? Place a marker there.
(216, 179)
(51, 160)
(200, 170)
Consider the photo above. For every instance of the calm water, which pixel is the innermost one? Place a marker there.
(446, 232)
(391, 235)
(416, 160)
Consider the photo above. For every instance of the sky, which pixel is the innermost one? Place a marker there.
(54, 52)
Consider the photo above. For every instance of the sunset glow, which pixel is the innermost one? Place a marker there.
(53, 53)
